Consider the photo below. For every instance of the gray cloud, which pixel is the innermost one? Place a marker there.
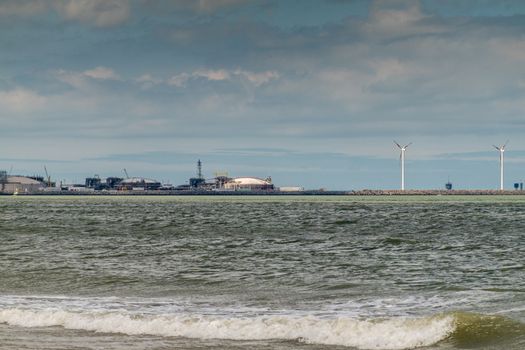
(225, 78)
(101, 13)
(206, 7)
(22, 8)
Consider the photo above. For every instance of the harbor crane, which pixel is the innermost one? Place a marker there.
(48, 178)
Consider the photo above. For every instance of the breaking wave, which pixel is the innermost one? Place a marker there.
(393, 333)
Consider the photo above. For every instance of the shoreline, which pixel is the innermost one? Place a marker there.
(276, 193)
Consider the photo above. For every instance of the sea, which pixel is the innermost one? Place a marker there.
(262, 272)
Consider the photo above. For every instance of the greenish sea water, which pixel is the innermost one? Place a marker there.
(313, 272)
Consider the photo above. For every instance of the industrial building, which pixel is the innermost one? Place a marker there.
(222, 182)
(96, 183)
(199, 181)
(249, 184)
(138, 184)
(291, 189)
(19, 184)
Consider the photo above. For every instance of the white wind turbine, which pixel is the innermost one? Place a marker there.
(501, 150)
(402, 157)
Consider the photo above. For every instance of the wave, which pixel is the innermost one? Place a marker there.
(397, 333)
(475, 329)
(393, 333)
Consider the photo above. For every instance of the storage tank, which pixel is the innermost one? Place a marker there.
(249, 184)
(22, 184)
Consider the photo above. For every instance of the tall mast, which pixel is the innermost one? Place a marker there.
(199, 169)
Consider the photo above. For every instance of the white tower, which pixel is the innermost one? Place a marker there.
(402, 157)
(501, 150)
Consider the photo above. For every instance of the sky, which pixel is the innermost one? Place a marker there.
(311, 93)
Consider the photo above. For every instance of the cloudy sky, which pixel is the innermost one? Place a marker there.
(309, 92)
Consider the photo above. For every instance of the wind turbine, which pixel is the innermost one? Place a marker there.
(402, 157)
(501, 150)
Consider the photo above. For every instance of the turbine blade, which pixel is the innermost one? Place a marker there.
(496, 147)
(505, 145)
(398, 145)
(408, 145)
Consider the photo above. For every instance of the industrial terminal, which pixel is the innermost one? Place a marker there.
(221, 183)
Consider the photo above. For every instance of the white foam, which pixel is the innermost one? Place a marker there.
(394, 333)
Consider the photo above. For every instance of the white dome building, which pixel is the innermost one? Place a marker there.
(21, 184)
(249, 184)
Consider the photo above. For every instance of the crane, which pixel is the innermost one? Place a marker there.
(126, 172)
(48, 178)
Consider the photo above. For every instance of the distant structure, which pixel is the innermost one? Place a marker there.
(3, 180)
(199, 181)
(48, 178)
(112, 181)
(97, 184)
(501, 150)
(249, 184)
(223, 182)
(21, 184)
(138, 184)
(94, 182)
(448, 185)
(221, 177)
(291, 189)
(402, 158)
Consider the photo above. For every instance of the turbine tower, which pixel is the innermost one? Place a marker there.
(402, 158)
(501, 150)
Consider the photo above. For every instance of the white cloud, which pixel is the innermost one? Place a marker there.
(102, 73)
(181, 79)
(178, 80)
(74, 79)
(390, 18)
(81, 80)
(101, 13)
(213, 75)
(147, 81)
(256, 78)
(21, 100)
